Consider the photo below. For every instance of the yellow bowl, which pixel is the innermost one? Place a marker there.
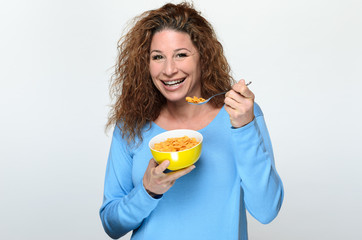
(180, 159)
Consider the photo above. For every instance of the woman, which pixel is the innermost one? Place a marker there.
(169, 54)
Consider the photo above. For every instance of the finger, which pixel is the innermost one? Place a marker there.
(242, 81)
(229, 102)
(162, 167)
(236, 102)
(152, 163)
(231, 111)
(233, 96)
(177, 174)
(243, 90)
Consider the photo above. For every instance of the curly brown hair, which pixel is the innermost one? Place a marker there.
(137, 101)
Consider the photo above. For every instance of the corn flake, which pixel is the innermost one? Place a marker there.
(176, 144)
(195, 99)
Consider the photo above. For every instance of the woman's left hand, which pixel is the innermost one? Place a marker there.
(239, 103)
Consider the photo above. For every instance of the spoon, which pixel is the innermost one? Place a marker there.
(203, 102)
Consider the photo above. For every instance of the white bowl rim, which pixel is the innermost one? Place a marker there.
(175, 133)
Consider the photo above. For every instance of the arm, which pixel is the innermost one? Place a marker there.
(124, 206)
(263, 189)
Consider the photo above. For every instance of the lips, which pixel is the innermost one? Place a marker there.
(173, 82)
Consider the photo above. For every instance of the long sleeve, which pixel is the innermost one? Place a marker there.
(125, 205)
(263, 189)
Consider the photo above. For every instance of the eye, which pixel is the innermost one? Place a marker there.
(157, 57)
(181, 55)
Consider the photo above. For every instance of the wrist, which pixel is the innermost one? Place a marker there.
(243, 124)
(154, 195)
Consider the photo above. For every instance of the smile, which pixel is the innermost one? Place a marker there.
(174, 82)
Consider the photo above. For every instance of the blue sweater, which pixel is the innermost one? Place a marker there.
(235, 172)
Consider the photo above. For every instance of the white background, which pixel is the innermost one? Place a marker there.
(56, 57)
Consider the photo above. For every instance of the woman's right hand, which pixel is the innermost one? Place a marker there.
(156, 182)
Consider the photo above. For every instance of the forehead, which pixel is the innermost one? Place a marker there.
(166, 40)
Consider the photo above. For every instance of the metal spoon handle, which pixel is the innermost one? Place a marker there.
(200, 103)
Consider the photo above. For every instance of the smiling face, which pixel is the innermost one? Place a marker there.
(175, 65)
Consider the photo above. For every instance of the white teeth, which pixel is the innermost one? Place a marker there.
(173, 82)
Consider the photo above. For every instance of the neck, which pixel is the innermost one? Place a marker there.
(184, 115)
(183, 111)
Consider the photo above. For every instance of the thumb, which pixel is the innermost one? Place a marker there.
(242, 81)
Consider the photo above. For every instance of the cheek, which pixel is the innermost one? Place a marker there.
(192, 67)
(195, 70)
(155, 69)
(198, 69)
(154, 72)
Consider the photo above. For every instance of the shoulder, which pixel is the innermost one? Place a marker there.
(122, 136)
(257, 110)
(118, 133)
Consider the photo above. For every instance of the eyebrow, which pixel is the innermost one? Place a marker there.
(179, 49)
(176, 50)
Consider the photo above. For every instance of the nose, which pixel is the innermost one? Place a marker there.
(170, 67)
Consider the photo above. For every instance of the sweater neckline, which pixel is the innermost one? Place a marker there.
(218, 115)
